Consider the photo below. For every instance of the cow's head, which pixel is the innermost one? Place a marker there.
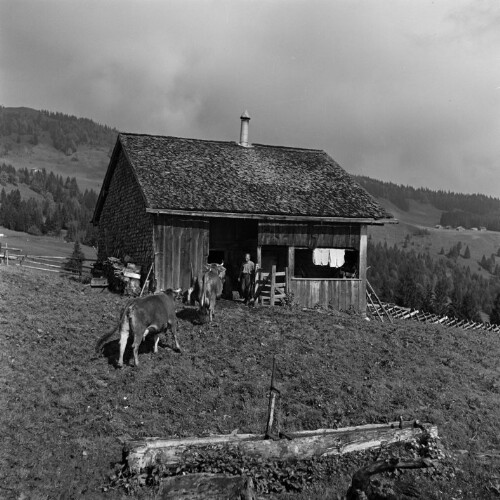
(218, 268)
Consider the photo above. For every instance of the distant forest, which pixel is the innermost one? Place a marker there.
(440, 286)
(467, 210)
(66, 132)
(61, 205)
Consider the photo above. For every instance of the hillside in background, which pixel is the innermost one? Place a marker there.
(63, 144)
(457, 209)
(52, 166)
(42, 203)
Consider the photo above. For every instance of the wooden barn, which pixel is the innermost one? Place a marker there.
(179, 203)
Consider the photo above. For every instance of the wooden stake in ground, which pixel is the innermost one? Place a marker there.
(146, 280)
(273, 393)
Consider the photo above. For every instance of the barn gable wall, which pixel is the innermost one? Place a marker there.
(124, 226)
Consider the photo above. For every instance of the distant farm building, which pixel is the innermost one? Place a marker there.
(179, 203)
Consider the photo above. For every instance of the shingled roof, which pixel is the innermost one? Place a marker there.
(192, 175)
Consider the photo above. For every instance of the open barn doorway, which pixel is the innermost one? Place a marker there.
(230, 240)
(274, 255)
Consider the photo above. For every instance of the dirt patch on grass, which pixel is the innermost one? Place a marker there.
(66, 411)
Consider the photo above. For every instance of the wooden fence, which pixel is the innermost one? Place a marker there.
(10, 256)
(392, 311)
(271, 287)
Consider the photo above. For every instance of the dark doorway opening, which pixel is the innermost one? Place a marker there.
(274, 256)
(216, 257)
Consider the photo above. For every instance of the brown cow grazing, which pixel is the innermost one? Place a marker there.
(142, 316)
(208, 288)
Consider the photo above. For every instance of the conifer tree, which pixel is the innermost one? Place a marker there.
(75, 262)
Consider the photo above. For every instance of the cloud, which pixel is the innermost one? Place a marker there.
(403, 91)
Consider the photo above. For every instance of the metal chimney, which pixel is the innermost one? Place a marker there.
(245, 120)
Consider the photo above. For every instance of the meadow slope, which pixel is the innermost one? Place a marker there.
(66, 412)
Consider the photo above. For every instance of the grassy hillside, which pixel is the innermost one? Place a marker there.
(88, 165)
(41, 245)
(65, 412)
(420, 219)
(66, 145)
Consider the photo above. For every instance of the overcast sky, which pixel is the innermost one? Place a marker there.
(399, 90)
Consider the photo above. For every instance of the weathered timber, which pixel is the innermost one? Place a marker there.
(201, 486)
(339, 293)
(99, 282)
(360, 485)
(304, 445)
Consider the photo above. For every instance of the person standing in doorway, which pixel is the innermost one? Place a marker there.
(245, 279)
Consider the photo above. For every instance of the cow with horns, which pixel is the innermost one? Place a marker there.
(207, 288)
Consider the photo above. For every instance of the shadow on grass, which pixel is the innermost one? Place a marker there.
(192, 315)
(111, 350)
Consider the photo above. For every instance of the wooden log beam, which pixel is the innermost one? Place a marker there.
(304, 445)
(209, 486)
(361, 480)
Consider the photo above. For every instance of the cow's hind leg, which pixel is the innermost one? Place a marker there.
(137, 342)
(153, 329)
(124, 333)
(212, 305)
(157, 340)
(173, 327)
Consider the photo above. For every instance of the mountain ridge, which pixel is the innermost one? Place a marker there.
(63, 144)
(79, 147)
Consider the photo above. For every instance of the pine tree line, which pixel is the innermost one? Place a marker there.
(66, 132)
(439, 286)
(467, 210)
(62, 206)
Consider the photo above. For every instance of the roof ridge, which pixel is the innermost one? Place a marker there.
(215, 141)
(294, 148)
(135, 134)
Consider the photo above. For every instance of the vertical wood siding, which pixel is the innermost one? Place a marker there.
(181, 246)
(340, 294)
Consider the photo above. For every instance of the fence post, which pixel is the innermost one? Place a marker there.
(287, 284)
(273, 284)
(258, 278)
(6, 254)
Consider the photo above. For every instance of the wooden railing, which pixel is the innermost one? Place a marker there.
(271, 287)
(378, 310)
(11, 256)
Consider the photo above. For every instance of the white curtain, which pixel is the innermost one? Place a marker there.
(337, 257)
(333, 257)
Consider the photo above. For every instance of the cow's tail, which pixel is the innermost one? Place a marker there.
(110, 333)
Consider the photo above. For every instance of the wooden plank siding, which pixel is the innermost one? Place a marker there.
(310, 235)
(340, 294)
(181, 245)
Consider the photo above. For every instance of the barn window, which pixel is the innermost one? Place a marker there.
(324, 263)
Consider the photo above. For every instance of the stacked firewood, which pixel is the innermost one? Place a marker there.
(122, 278)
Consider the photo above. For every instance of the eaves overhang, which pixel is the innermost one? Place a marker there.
(276, 217)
